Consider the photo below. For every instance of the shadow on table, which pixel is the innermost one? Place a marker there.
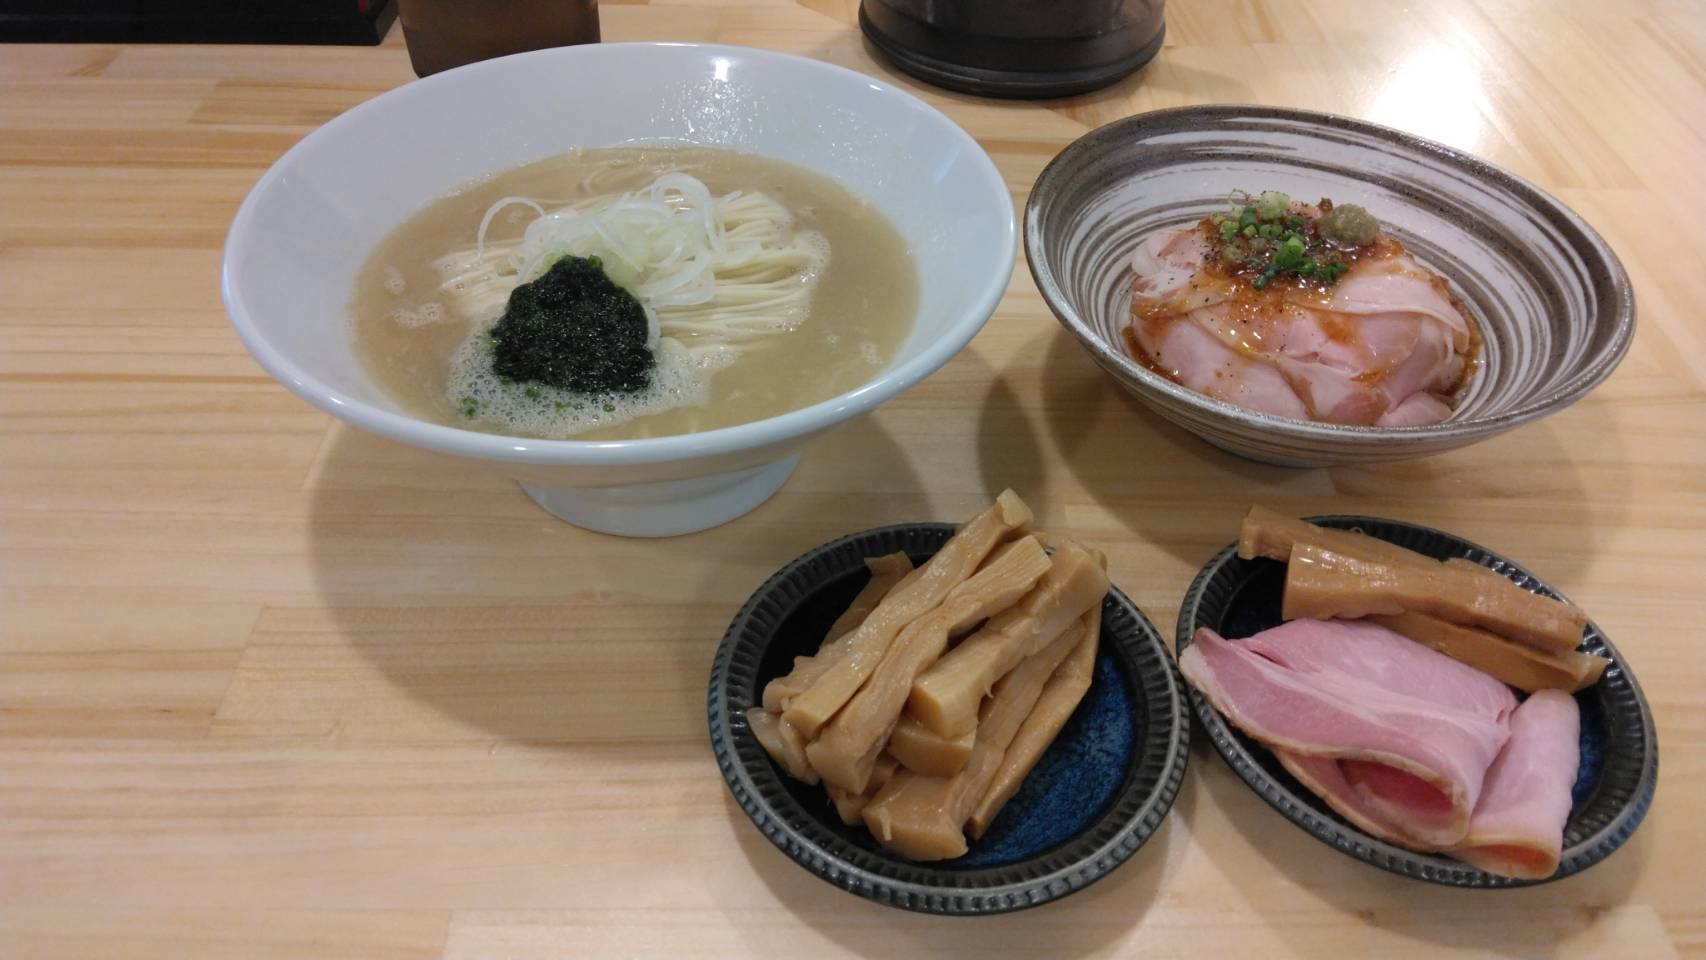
(1185, 496)
(1009, 453)
(1081, 924)
(493, 615)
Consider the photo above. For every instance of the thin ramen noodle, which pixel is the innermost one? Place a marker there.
(766, 287)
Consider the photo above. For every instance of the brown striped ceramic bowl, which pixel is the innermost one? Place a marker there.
(1554, 304)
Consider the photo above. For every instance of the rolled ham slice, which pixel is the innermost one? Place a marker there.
(1518, 827)
(1396, 737)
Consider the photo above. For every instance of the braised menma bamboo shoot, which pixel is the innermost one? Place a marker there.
(1018, 603)
(922, 750)
(1519, 665)
(849, 806)
(924, 817)
(1060, 697)
(887, 572)
(1322, 582)
(946, 697)
(923, 591)
(847, 746)
(1504, 607)
(784, 743)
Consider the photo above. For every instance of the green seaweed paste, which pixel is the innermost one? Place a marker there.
(573, 328)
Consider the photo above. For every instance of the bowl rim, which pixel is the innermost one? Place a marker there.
(1305, 812)
(1591, 246)
(889, 382)
(1153, 777)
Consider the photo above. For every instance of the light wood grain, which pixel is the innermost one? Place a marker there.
(271, 687)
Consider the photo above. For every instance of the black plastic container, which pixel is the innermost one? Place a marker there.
(355, 22)
(1016, 48)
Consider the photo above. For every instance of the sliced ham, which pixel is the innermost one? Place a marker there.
(1398, 284)
(1165, 262)
(1396, 737)
(1354, 651)
(1331, 780)
(1385, 345)
(1417, 410)
(1518, 826)
(1193, 357)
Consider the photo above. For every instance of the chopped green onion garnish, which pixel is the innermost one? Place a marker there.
(1263, 236)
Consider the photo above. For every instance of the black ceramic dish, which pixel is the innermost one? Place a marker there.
(1098, 793)
(1620, 752)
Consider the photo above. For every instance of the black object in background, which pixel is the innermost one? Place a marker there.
(1016, 48)
(196, 21)
(443, 34)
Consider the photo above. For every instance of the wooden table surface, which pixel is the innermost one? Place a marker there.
(272, 687)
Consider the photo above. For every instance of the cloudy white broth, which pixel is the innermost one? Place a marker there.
(746, 289)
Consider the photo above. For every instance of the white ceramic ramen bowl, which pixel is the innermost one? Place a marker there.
(306, 228)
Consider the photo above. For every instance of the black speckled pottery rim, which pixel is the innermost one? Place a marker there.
(1152, 781)
(1597, 826)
